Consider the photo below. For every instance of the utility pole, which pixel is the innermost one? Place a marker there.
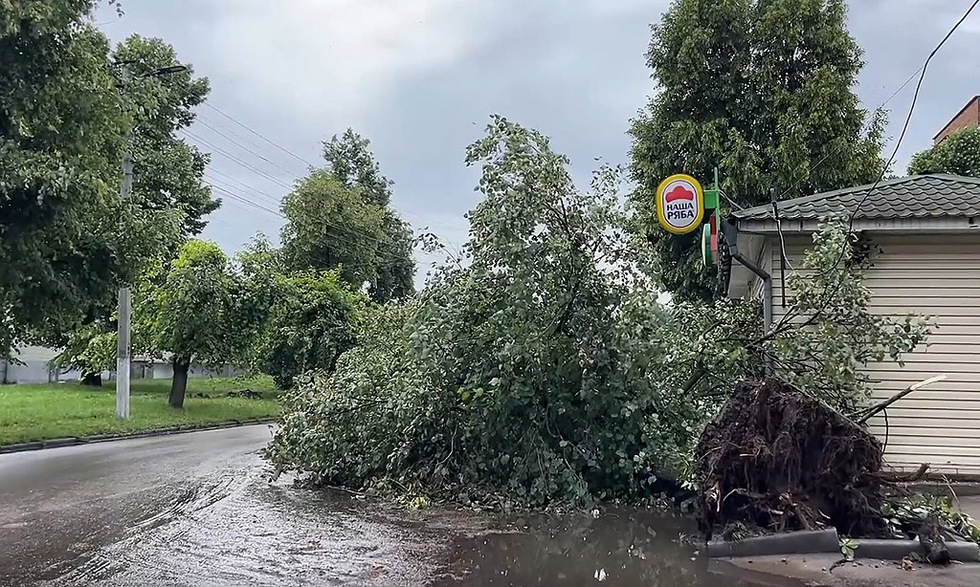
(125, 305)
(125, 312)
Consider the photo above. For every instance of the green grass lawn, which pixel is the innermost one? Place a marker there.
(43, 412)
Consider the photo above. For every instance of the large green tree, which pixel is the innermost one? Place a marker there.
(958, 154)
(330, 226)
(66, 239)
(762, 90)
(168, 172)
(349, 159)
(340, 217)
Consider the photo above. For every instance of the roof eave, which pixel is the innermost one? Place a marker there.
(809, 225)
(973, 101)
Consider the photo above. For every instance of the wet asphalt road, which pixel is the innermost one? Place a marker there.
(58, 506)
(200, 510)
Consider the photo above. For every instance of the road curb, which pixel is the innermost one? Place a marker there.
(98, 438)
(964, 552)
(807, 542)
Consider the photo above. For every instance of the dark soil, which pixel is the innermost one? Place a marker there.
(778, 460)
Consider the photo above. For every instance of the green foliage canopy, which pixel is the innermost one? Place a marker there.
(340, 218)
(196, 308)
(66, 239)
(546, 371)
(958, 154)
(516, 379)
(761, 89)
(168, 172)
(311, 324)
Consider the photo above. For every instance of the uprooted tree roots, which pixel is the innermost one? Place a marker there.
(779, 460)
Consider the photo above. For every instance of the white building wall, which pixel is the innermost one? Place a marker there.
(936, 276)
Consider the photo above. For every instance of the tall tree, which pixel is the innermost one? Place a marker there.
(762, 90)
(329, 226)
(66, 239)
(168, 172)
(959, 154)
(350, 160)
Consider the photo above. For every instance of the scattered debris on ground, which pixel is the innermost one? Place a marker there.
(242, 393)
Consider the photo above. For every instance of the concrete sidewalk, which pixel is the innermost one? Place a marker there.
(970, 505)
(814, 570)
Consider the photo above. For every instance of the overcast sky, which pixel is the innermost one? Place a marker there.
(419, 78)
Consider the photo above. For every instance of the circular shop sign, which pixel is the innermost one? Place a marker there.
(680, 204)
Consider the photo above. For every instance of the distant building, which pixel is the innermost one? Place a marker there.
(33, 364)
(967, 117)
(156, 368)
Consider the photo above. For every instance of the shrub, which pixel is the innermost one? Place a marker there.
(310, 325)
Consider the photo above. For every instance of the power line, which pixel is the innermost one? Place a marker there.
(244, 186)
(249, 167)
(256, 133)
(243, 147)
(281, 148)
(867, 194)
(864, 128)
(235, 159)
(341, 229)
(908, 118)
(244, 200)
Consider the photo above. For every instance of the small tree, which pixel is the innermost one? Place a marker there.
(959, 154)
(194, 309)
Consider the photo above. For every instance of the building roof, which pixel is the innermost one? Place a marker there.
(917, 196)
(973, 102)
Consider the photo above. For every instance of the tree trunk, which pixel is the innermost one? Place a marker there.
(92, 379)
(179, 386)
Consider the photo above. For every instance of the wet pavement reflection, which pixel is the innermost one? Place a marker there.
(220, 521)
(617, 547)
(260, 533)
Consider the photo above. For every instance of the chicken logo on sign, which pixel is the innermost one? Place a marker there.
(680, 204)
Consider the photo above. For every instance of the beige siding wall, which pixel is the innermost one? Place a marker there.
(937, 276)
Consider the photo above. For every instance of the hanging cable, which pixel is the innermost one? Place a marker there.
(256, 133)
(850, 225)
(235, 159)
(243, 147)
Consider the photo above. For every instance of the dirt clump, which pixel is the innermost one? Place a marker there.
(777, 460)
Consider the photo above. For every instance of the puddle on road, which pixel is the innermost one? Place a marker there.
(257, 533)
(619, 547)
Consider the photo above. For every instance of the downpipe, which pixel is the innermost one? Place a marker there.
(730, 232)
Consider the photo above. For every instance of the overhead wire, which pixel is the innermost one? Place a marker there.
(237, 198)
(244, 164)
(241, 185)
(309, 164)
(234, 158)
(225, 136)
(259, 135)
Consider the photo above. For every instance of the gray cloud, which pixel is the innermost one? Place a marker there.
(420, 77)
